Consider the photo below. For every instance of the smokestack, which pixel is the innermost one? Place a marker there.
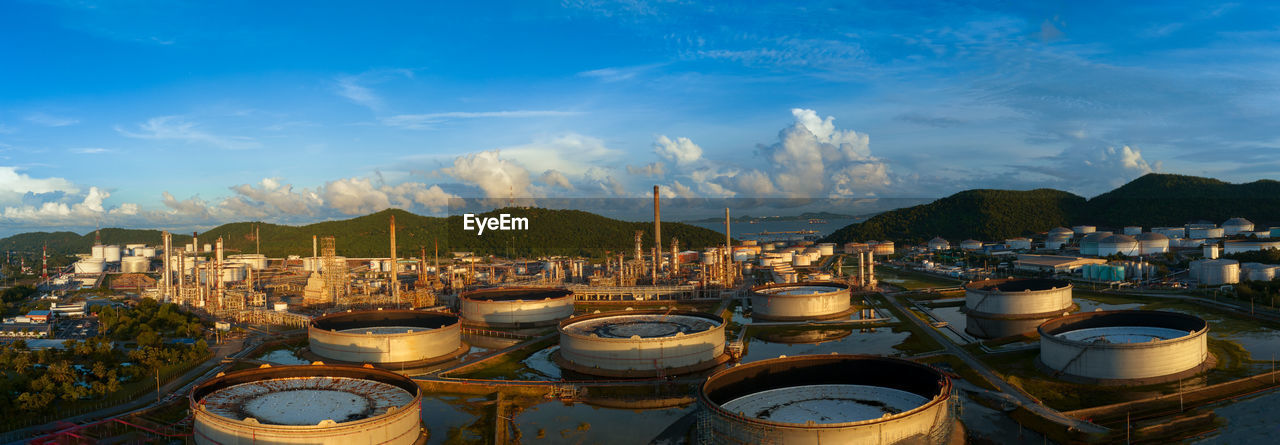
(657, 235)
(195, 244)
(395, 265)
(728, 250)
(217, 269)
(315, 249)
(166, 243)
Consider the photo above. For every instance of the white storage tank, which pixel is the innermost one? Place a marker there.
(787, 256)
(1234, 226)
(1205, 232)
(1151, 243)
(710, 256)
(1132, 230)
(111, 253)
(515, 307)
(1215, 272)
(1258, 272)
(387, 337)
(971, 244)
(1118, 244)
(149, 252)
(98, 252)
(643, 343)
(1018, 243)
(883, 248)
(1233, 246)
(1061, 231)
(90, 265)
(1083, 230)
(1124, 347)
(939, 244)
(135, 264)
(1090, 242)
(801, 261)
(253, 260)
(1171, 232)
(827, 249)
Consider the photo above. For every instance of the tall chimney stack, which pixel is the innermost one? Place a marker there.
(657, 235)
(395, 264)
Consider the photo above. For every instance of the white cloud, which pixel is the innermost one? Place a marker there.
(653, 169)
(174, 128)
(91, 151)
(350, 88)
(812, 158)
(682, 151)
(355, 196)
(54, 212)
(497, 177)
(275, 197)
(50, 120)
(1091, 170)
(13, 185)
(429, 120)
(192, 207)
(570, 153)
(555, 178)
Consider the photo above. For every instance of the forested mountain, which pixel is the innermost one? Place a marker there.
(550, 231)
(1151, 200)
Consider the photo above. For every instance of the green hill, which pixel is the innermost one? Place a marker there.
(1151, 200)
(986, 214)
(550, 232)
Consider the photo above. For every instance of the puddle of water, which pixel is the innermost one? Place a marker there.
(1087, 305)
(557, 423)
(880, 342)
(449, 419)
(283, 357)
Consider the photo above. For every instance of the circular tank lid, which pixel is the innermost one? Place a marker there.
(651, 325)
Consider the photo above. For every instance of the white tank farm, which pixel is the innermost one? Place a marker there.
(1090, 242)
(255, 261)
(1215, 272)
(515, 307)
(641, 343)
(1205, 232)
(939, 244)
(1083, 230)
(1018, 243)
(387, 337)
(1171, 232)
(1118, 244)
(1234, 246)
(827, 399)
(1018, 297)
(135, 264)
(1124, 347)
(971, 244)
(90, 265)
(810, 300)
(1235, 226)
(1132, 230)
(1151, 243)
(307, 404)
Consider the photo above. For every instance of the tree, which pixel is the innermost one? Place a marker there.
(148, 338)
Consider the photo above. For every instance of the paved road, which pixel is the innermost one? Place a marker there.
(1017, 395)
(176, 388)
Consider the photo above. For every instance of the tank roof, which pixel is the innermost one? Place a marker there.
(1018, 284)
(651, 324)
(1237, 221)
(1152, 236)
(517, 293)
(1116, 239)
(305, 394)
(397, 318)
(1119, 319)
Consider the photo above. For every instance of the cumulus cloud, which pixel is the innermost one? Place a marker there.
(570, 153)
(355, 196)
(175, 128)
(653, 170)
(497, 177)
(52, 212)
(279, 198)
(1095, 169)
(681, 150)
(555, 178)
(813, 158)
(15, 184)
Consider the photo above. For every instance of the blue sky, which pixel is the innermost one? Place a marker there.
(190, 114)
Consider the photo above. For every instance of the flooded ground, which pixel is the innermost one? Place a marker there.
(580, 423)
(1249, 420)
(879, 341)
(457, 418)
(283, 357)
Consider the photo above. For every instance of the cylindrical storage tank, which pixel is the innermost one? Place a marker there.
(1089, 243)
(1171, 232)
(1205, 232)
(1118, 244)
(991, 328)
(207, 247)
(90, 265)
(253, 260)
(800, 261)
(1018, 297)
(828, 399)
(741, 255)
(709, 256)
(1215, 272)
(786, 256)
(111, 253)
(515, 307)
(1056, 242)
(939, 244)
(375, 266)
(149, 252)
(1124, 347)
(882, 248)
(1018, 243)
(1083, 230)
(1061, 231)
(1152, 243)
(971, 244)
(1234, 226)
(135, 264)
(387, 337)
(233, 272)
(811, 300)
(827, 249)
(641, 343)
(313, 404)
(1258, 272)
(1233, 246)
(98, 251)
(1132, 230)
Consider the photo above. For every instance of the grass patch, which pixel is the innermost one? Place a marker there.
(508, 365)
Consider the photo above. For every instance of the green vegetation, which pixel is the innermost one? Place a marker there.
(509, 365)
(550, 232)
(912, 280)
(1152, 200)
